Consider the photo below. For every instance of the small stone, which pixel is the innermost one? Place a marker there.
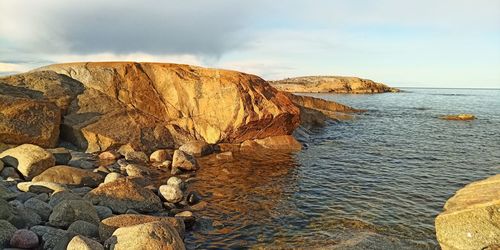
(83, 243)
(62, 155)
(41, 208)
(136, 170)
(171, 193)
(101, 170)
(176, 182)
(112, 177)
(160, 155)
(30, 160)
(136, 156)
(24, 239)
(197, 148)
(84, 228)
(103, 212)
(184, 161)
(187, 217)
(166, 164)
(193, 198)
(6, 232)
(124, 149)
(10, 172)
(109, 155)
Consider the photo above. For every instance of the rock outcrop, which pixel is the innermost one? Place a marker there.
(460, 117)
(471, 218)
(331, 84)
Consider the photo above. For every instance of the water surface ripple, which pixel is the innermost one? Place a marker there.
(376, 182)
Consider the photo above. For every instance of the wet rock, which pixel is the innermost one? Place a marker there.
(193, 198)
(40, 187)
(41, 208)
(282, 142)
(184, 161)
(109, 225)
(460, 117)
(109, 155)
(123, 194)
(10, 172)
(70, 176)
(84, 228)
(83, 243)
(170, 193)
(137, 170)
(112, 177)
(69, 211)
(155, 235)
(187, 217)
(197, 148)
(136, 156)
(471, 217)
(62, 155)
(6, 232)
(30, 160)
(160, 155)
(53, 238)
(24, 239)
(201, 205)
(103, 212)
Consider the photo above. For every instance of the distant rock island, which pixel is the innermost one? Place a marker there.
(331, 84)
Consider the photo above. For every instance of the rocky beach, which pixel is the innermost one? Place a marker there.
(103, 155)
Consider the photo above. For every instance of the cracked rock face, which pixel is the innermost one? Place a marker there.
(153, 105)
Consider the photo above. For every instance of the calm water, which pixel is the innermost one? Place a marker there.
(375, 182)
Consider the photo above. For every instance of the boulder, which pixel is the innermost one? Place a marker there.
(112, 177)
(176, 182)
(83, 243)
(6, 193)
(10, 172)
(197, 148)
(24, 120)
(471, 218)
(103, 212)
(123, 194)
(58, 197)
(69, 211)
(331, 84)
(30, 160)
(62, 155)
(22, 216)
(165, 105)
(84, 228)
(70, 176)
(184, 161)
(172, 194)
(5, 210)
(109, 225)
(152, 235)
(137, 170)
(160, 155)
(24, 239)
(41, 208)
(6, 232)
(136, 156)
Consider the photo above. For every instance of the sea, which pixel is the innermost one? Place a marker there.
(376, 181)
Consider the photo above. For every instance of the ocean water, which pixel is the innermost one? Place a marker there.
(374, 182)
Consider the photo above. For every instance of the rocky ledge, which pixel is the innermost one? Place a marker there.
(471, 218)
(98, 106)
(331, 84)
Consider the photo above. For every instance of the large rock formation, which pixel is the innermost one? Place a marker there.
(471, 218)
(333, 84)
(149, 105)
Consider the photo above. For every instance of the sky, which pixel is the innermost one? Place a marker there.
(425, 43)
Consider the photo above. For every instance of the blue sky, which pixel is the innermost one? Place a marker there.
(447, 43)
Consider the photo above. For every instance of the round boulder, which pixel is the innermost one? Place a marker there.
(30, 160)
(24, 239)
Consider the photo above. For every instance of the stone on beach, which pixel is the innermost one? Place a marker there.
(123, 194)
(70, 176)
(136, 156)
(112, 177)
(109, 225)
(40, 187)
(197, 148)
(30, 160)
(109, 155)
(160, 155)
(24, 239)
(6, 232)
(154, 235)
(84, 228)
(41, 208)
(69, 211)
(171, 193)
(62, 155)
(184, 161)
(83, 243)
